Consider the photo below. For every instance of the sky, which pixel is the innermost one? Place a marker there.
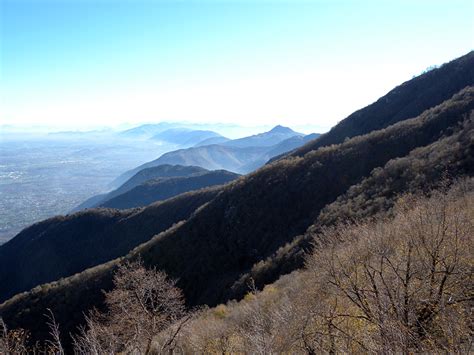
(80, 64)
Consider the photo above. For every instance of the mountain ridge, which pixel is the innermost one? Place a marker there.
(160, 171)
(160, 189)
(407, 100)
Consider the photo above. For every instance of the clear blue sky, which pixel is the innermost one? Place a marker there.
(85, 63)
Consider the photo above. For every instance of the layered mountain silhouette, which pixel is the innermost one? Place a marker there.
(258, 226)
(241, 155)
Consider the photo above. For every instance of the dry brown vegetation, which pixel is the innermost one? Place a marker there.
(142, 304)
(399, 285)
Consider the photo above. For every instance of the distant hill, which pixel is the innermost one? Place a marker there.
(185, 137)
(164, 188)
(147, 131)
(160, 171)
(266, 139)
(241, 155)
(211, 157)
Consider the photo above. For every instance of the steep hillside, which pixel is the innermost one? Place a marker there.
(405, 101)
(267, 209)
(164, 188)
(425, 168)
(351, 296)
(255, 216)
(160, 171)
(64, 245)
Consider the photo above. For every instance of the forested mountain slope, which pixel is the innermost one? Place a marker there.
(64, 245)
(400, 283)
(424, 169)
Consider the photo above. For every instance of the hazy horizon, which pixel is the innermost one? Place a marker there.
(229, 130)
(80, 65)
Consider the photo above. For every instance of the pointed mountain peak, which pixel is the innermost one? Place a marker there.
(281, 129)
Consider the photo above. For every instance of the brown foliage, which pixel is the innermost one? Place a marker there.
(143, 303)
(12, 341)
(399, 285)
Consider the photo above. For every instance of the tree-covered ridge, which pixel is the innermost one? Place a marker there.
(62, 246)
(164, 188)
(425, 168)
(399, 284)
(405, 101)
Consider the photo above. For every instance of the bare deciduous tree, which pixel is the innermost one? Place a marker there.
(142, 304)
(405, 281)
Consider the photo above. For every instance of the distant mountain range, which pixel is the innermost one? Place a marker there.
(150, 130)
(241, 155)
(145, 184)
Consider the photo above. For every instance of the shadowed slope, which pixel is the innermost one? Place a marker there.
(64, 245)
(162, 189)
